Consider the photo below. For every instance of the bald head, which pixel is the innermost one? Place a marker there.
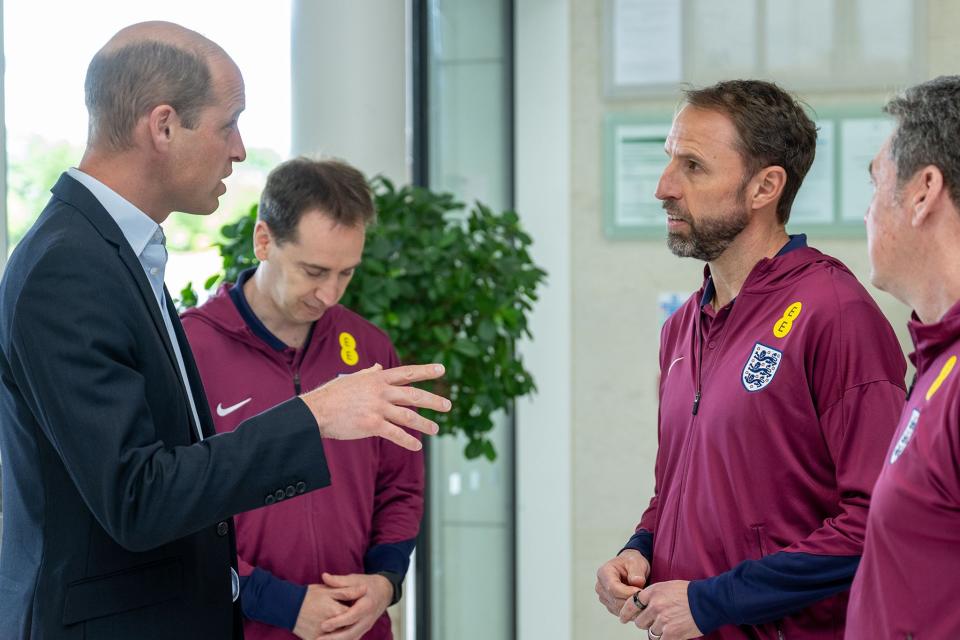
(159, 31)
(143, 66)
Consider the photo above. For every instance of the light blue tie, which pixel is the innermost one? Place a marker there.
(154, 260)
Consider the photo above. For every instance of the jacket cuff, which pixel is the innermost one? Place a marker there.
(708, 600)
(390, 560)
(641, 541)
(768, 589)
(271, 600)
(393, 557)
(397, 581)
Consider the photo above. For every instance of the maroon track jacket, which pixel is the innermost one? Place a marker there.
(798, 384)
(376, 493)
(908, 583)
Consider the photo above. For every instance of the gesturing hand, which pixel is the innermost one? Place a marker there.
(321, 603)
(375, 402)
(620, 578)
(363, 613)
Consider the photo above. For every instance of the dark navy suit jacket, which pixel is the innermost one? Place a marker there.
(116, 519)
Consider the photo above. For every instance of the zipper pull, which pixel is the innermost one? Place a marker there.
(696, 403)
(296, 382)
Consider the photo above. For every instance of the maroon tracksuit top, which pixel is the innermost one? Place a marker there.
(800, 382)
(908, 584)
(376, 492)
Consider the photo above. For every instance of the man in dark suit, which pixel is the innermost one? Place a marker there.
(117, 494)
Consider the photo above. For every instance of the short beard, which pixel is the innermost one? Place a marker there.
(709, 238)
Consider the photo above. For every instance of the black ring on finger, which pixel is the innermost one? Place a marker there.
(636, 601)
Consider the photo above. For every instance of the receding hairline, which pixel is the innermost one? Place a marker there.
(166, 33)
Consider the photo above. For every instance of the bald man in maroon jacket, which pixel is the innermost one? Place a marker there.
(909, 579)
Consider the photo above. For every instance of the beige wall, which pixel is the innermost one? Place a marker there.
(615, 319)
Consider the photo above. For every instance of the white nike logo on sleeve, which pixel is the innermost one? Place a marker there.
(675, 361)
(225, 411)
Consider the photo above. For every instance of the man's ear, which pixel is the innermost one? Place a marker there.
(766, 187)
(262, 239)
(162, 124)
(924, 194)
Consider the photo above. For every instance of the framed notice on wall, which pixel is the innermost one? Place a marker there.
(634, 158)
(644, 39)
(837, 190)
(652, 46)
(833, 198)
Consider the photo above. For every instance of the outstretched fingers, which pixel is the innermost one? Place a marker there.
(414, 397)
(404, 417)
(398, 436)
(413, 373)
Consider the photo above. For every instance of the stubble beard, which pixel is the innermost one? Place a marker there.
(707, 239)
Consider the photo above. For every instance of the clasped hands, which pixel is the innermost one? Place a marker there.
(664, 609)
(343, 607)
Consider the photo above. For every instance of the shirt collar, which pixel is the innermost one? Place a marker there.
(246, 312)
(797, 241)
(137, 227)
(930, 340)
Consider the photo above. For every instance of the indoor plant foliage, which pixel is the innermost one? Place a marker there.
(448, 285)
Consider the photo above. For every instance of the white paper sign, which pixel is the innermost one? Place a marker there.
(640, 160)
(814, 203)
(647, 48)
(860, 139)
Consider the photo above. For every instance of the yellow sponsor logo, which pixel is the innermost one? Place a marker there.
(785, 322)
(947, 368)
(348, 349)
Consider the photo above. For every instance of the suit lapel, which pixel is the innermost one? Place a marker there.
(146, 293)
(78, 196)
(190, 365)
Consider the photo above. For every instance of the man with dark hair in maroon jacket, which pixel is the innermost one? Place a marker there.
(908, 581)
(260, 341)
(780, 383)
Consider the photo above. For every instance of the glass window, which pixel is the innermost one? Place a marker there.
(469, 153)
(47, 54)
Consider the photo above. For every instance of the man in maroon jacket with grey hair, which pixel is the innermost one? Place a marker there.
(780, 383)
(331, 561)
(908, 581)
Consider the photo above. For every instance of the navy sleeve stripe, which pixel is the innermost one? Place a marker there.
(391, 557)
(641, 541)
(270, 600)
(765, 590)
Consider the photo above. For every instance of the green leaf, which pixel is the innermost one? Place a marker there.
(486, 330)
(474, 449)
(443, 334)
(489, 451)
(466, 347)
(188, 297)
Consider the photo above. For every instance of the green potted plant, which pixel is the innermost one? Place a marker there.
(448, 284)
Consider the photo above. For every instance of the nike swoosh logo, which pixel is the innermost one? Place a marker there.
(225, 411)
(673, 363)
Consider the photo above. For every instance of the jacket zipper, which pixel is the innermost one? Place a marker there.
(296, 382)
(696, 397)
(686, 444)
